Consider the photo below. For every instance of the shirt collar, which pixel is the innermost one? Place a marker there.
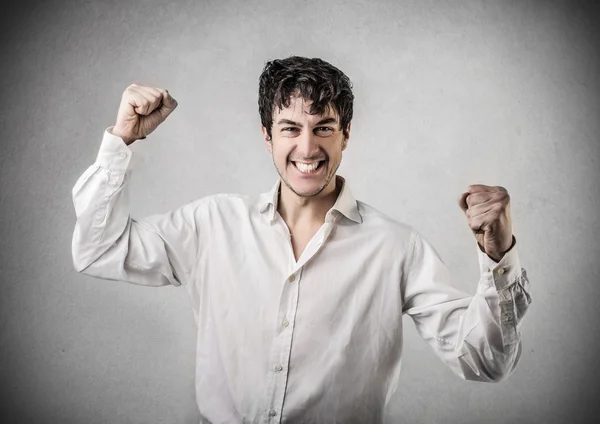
(345, 203)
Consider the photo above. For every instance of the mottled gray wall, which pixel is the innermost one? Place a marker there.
(447, 94)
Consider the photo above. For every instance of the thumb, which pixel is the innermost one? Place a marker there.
(462, 201)
(167, 106)
(168, 101)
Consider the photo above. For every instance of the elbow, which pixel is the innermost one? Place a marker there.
(83, 264)
(494, 369)
(498, 375)
(487, 375)
(81, 254)
(80, 264)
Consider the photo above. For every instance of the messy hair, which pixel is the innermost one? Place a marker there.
(311, 79)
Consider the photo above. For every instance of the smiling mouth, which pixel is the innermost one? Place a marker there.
(309, 168)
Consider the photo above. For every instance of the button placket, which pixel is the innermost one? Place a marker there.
(282, 344)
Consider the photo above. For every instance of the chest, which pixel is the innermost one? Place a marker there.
(333, 319)
(300, 239)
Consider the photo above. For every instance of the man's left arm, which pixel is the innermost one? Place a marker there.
(478, 336)
(502, 300)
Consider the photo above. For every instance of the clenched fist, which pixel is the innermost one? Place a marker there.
(142, 109)
(488, 214)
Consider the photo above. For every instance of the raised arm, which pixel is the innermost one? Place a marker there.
(478, 335)
(107, 242)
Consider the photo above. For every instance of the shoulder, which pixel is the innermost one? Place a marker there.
(379, 223)
(229, 204)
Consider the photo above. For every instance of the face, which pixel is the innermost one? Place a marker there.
(306, 149)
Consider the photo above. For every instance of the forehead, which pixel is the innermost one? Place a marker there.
(299, 111)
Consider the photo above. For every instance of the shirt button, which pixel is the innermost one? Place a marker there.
(285, 323)
(278, 367)
(501, 271)
(272, 412)
(122, 155)
(292, 278)
(505, 318)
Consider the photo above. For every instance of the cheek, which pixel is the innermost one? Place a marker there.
(336, 155)
(280, 156)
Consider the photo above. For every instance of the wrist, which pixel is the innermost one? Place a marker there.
(118, 133)
(496, 255)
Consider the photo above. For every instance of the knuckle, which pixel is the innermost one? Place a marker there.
(497, 207)
(504, 197)
(129, 90)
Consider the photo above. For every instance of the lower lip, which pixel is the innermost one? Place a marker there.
(310, 174)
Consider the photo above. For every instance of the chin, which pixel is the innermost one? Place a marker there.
(308, 193)
(306, 190)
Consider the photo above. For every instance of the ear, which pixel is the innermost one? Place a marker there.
(346, 138)
(268, 141)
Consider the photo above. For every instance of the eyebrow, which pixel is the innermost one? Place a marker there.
(323, 121)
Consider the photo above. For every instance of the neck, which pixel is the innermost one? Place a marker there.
(307, 211)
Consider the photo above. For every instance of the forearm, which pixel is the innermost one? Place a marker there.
(107, 243)
(478, 335)
(101, 203)
(490, 344)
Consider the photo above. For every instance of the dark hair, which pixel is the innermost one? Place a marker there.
(312, 79)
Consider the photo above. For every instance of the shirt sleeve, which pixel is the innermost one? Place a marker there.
(479, 335)
(107, 243)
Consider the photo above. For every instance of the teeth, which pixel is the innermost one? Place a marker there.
(307, 167)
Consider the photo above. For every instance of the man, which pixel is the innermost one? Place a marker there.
(299, 293)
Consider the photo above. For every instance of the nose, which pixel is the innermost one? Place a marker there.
(307, 146)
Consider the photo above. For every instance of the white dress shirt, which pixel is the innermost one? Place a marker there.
(318, 340)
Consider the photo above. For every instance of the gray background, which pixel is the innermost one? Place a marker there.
(447, 94)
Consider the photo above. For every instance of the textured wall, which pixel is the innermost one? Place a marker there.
(447, 94)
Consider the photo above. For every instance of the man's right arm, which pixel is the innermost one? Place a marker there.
(107, 243)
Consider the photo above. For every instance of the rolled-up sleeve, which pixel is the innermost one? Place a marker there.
(478, 336)
(109, 244)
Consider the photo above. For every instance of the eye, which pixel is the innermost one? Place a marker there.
(324, 130)
(289, 129)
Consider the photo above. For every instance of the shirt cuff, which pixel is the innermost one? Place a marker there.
(503, 273)
(114, 154)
